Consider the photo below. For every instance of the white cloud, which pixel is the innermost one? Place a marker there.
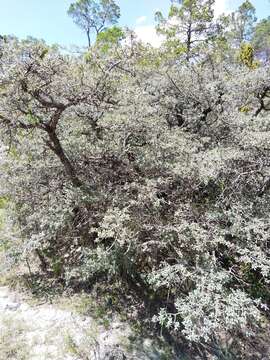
(221, 6)
(141, 19)
(148, 34)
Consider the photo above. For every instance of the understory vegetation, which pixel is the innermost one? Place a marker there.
(146, 170)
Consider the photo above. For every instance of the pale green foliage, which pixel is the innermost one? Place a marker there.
(110, 38)
(210, 309)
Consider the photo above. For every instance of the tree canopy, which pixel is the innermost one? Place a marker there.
(94, 15)
(188, 24)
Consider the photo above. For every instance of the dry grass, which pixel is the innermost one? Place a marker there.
(84, 348)
(13, 344)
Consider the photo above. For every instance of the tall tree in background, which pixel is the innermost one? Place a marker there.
(94, 16)
(242, 23)
(261, 39)
(188, 24)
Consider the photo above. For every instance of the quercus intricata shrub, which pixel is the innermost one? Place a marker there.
(157, 175)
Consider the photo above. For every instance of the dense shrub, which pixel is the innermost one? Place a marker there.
(155, 175)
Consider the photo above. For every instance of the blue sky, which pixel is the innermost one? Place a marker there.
(48, 19)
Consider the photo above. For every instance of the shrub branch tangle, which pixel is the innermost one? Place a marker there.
(152, 173)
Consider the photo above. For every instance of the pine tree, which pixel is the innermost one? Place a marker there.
(188, 25)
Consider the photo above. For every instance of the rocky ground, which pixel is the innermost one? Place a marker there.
(46, 332)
